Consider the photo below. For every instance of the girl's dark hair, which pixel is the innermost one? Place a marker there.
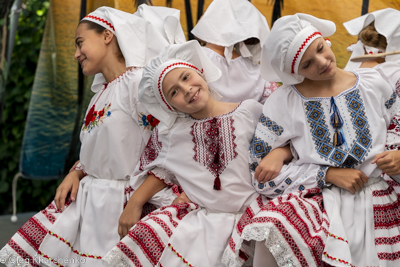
(370, 36)
(99, 30)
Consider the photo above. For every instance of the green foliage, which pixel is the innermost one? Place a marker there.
(31, 194)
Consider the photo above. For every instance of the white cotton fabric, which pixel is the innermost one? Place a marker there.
(387, 23)
(287, 42)
(241, 79)
(230, 22)
(165, 20)
(150, 87)
(202, 235)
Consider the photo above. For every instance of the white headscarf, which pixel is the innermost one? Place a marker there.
(285, 45)
(186, 55)
(138, 40)
(387, 23)
(165, 20)
(230, 22)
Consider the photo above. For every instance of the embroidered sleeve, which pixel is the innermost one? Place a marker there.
(393, 133)
(163, 175)
(269, 88)
(79, 167)
(293, 178)
(151, 151)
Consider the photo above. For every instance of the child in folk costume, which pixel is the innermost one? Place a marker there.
(379, 32)
(234, 31)
(201, 144)
(336, 122)
(114, 45)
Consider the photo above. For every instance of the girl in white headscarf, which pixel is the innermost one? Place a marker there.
(336, 123)
(78, 229)
(234, 31)
(379, 32)
(201, 144)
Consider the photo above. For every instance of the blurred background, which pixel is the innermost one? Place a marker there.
(44, 96)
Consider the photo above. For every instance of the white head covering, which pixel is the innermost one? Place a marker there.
(165, 20)
(230, 22)
(387, 23)
(285, 45)
(186, 55)
(138, 40)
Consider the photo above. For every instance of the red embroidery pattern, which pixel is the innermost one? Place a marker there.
(163, 225)
(387, 216)
(72, 248)
(101, 20)
(397, 90)
(285, 207)
(148, 240)
(22, 253)
(214, 144)
(162, 76)
(302, 46)
(181, 257)
(387, 240)
(389, 256)
(383, 193)
(337, 259)
(129, 254)
(33, 232)
(151, 151)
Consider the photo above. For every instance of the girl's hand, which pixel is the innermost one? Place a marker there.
(182, 198)
(129, 217)
(271, 165)
(388, 162)
(69, 184)
(350, 179)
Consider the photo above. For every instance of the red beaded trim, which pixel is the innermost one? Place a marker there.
(337, 237)
(162, 73)
(74, 250)
(101, 20)
(336, 259)
(47, 257)
(302, 47)
(177, 254)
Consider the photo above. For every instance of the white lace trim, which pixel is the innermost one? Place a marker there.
(116, 258)
(276, 244)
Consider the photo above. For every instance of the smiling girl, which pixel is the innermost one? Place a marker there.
(80, 229)
(201, 144)
(336, 122)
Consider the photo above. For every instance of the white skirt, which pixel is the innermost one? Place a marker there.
(364, 227)
(77, 236)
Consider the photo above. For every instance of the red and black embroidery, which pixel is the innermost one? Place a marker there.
(151, 150)
(214, 145)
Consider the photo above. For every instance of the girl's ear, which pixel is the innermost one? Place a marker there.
(108, 36)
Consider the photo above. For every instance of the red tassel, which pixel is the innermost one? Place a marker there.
(217, 183)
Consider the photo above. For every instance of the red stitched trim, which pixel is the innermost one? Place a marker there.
(336, 259)
(177, 254)
(302, 47)
(162, 73)
(337, 237)
(72, 248)
(101, 20)
(47, 257)
(161, 179)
